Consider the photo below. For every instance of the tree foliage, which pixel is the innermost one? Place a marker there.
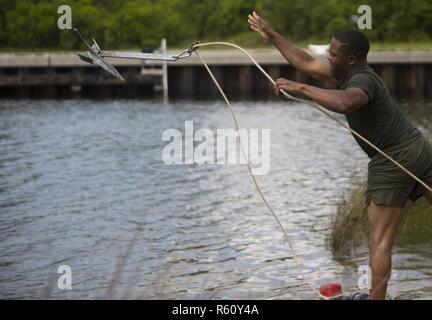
(31, 24)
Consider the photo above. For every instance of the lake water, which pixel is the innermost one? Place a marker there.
(82, 184)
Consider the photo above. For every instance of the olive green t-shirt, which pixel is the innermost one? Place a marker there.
(381, 121)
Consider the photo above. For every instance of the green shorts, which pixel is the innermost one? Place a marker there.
(388, 185)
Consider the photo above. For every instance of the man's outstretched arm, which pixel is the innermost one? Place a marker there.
(340, 101)
(299, 58)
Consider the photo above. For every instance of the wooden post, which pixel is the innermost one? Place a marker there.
(245, 81)
(419, 82)
(428, 81)
(164, 72)
(24, 90)
(275, 73)
(51, 89)
(388, 76)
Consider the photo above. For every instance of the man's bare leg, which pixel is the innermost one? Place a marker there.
(384, 221)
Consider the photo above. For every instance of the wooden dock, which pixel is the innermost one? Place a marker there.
(408, 74)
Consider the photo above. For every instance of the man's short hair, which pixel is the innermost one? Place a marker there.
(354, 42)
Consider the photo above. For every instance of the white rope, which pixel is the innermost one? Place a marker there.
(249, 166)
(320, 108)
(315, 105)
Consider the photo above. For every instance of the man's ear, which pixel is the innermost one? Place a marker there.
(351, 59)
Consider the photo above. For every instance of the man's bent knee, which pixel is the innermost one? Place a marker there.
(382, 247)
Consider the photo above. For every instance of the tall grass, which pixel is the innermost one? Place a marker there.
(351, 226)
(350, 223)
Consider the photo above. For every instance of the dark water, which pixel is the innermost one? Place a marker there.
(82, 184)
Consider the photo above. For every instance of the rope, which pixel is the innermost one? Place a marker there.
(319, 108)
(249, 166)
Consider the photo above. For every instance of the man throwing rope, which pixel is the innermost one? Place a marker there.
(365, 100)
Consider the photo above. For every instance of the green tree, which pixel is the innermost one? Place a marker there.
(136, 23)
(31, 25)
(229, 17)
(145, 23)
(5, 7)
(196, 16)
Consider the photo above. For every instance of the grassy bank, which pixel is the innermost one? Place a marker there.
(247, 39)
(252, 40)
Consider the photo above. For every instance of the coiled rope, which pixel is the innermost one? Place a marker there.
(249, 166)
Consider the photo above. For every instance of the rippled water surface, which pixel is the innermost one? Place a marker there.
(82, 184)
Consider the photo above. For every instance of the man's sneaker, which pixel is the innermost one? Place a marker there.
(357, 296)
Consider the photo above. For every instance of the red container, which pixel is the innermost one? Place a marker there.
(331, 290)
